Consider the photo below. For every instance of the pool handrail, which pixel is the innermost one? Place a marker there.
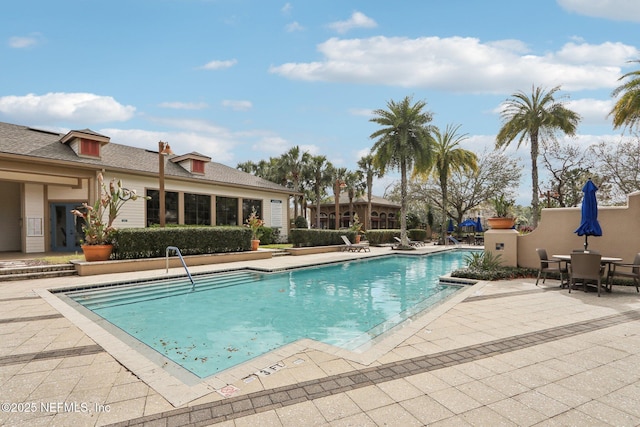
(174, 248)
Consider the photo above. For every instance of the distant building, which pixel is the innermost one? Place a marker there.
(385, 214)
(44, 175)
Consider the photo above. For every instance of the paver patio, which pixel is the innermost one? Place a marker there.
(503, 353)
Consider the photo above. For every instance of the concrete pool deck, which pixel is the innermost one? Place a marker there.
(501, 353)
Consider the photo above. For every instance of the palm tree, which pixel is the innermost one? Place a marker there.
(320, 176)
(355, 186)
(449, 157)
(539, 116)
(404, 142)
(291, 165)
(369, 170)
(626, 112)
(338, 176)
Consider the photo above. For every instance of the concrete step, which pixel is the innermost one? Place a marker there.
(17, 270)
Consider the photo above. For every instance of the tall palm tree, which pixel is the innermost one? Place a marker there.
(292, 164)
(626, 111)
(338, 177)
(319, 174)
(369, 170)
(537, 117)
(448, 157)
(355, 187)
(404, 143)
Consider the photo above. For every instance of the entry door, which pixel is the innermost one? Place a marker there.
(66, 228)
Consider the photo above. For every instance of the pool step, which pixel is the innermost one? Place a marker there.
(127, 294)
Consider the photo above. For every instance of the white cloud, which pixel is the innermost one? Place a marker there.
(77, 107)
(273, 145)
(364, 112)
(286, 9)
(293, 27)
(618, 10)
(592, 111)
(237, 105)
(357, 20)
(219, 65)
(462, 64)
(184, 105)
(22, 42)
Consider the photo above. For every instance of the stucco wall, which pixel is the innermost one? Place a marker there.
(620, 233)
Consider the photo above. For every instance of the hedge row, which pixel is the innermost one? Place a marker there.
(132, 243)
(381, 237)
(313, 237)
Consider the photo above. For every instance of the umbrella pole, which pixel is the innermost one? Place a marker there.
(586, 243)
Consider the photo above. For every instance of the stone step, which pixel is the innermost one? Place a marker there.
(16, 270)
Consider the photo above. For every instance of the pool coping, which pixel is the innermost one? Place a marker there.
(180, 387)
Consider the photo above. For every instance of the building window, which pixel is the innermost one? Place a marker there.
(89, 148)
(171, 207)
(197, 166)
(197, 209)
(226, 211)
(248, 205)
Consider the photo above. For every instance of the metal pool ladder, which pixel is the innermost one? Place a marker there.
(174, 248)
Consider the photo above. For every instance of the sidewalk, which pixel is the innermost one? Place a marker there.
(506, 353)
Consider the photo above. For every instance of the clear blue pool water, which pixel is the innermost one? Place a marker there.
(232, 317)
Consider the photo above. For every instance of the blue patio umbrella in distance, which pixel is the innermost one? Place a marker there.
(589, 225)
(479, 228)
(468, 223)
(450, 227)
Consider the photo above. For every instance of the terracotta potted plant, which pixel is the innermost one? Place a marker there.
(97, 243)
(504, 218)
(356, 227)
(255, 224)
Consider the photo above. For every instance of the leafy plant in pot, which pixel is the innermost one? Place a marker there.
(356, 227)
(98, 234)
(255, 224)
(504, 213)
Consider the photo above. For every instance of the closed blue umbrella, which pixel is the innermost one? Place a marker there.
(479, 228)
(589, 225)
(450, 228)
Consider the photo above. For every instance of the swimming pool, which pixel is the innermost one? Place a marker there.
(229, 318)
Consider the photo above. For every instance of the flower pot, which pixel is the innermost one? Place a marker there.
(97, 252)
(255, 244)
(500, 223)
(357, 238)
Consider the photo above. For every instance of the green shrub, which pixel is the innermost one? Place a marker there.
(312, 237)
(131, 243)
(301, 222)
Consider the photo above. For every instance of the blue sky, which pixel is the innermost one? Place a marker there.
(242, 80)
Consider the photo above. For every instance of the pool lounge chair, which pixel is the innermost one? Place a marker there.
(354, 247)
(411, 242)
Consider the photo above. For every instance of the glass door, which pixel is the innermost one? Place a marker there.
(66, 228)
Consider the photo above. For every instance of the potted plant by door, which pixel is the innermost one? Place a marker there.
(97, 244)
(504, 213)
(255, 224)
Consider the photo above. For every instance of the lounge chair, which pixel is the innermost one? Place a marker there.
(550, 266)
(585, 268)
(354, 247)
(633, 274)
(411, 242)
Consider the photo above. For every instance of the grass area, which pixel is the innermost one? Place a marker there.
(62, 259)
(278, 246)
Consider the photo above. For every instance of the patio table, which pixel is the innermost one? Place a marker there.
(606, 260)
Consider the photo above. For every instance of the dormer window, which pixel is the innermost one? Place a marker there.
(192, 162)
(85, 143)
(197, 166)
(89, 148)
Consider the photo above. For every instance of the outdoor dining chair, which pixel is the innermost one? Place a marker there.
(633, 273)
(586, 268)
(550, 266)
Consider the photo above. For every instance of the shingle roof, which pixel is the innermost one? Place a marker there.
(40, 144)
